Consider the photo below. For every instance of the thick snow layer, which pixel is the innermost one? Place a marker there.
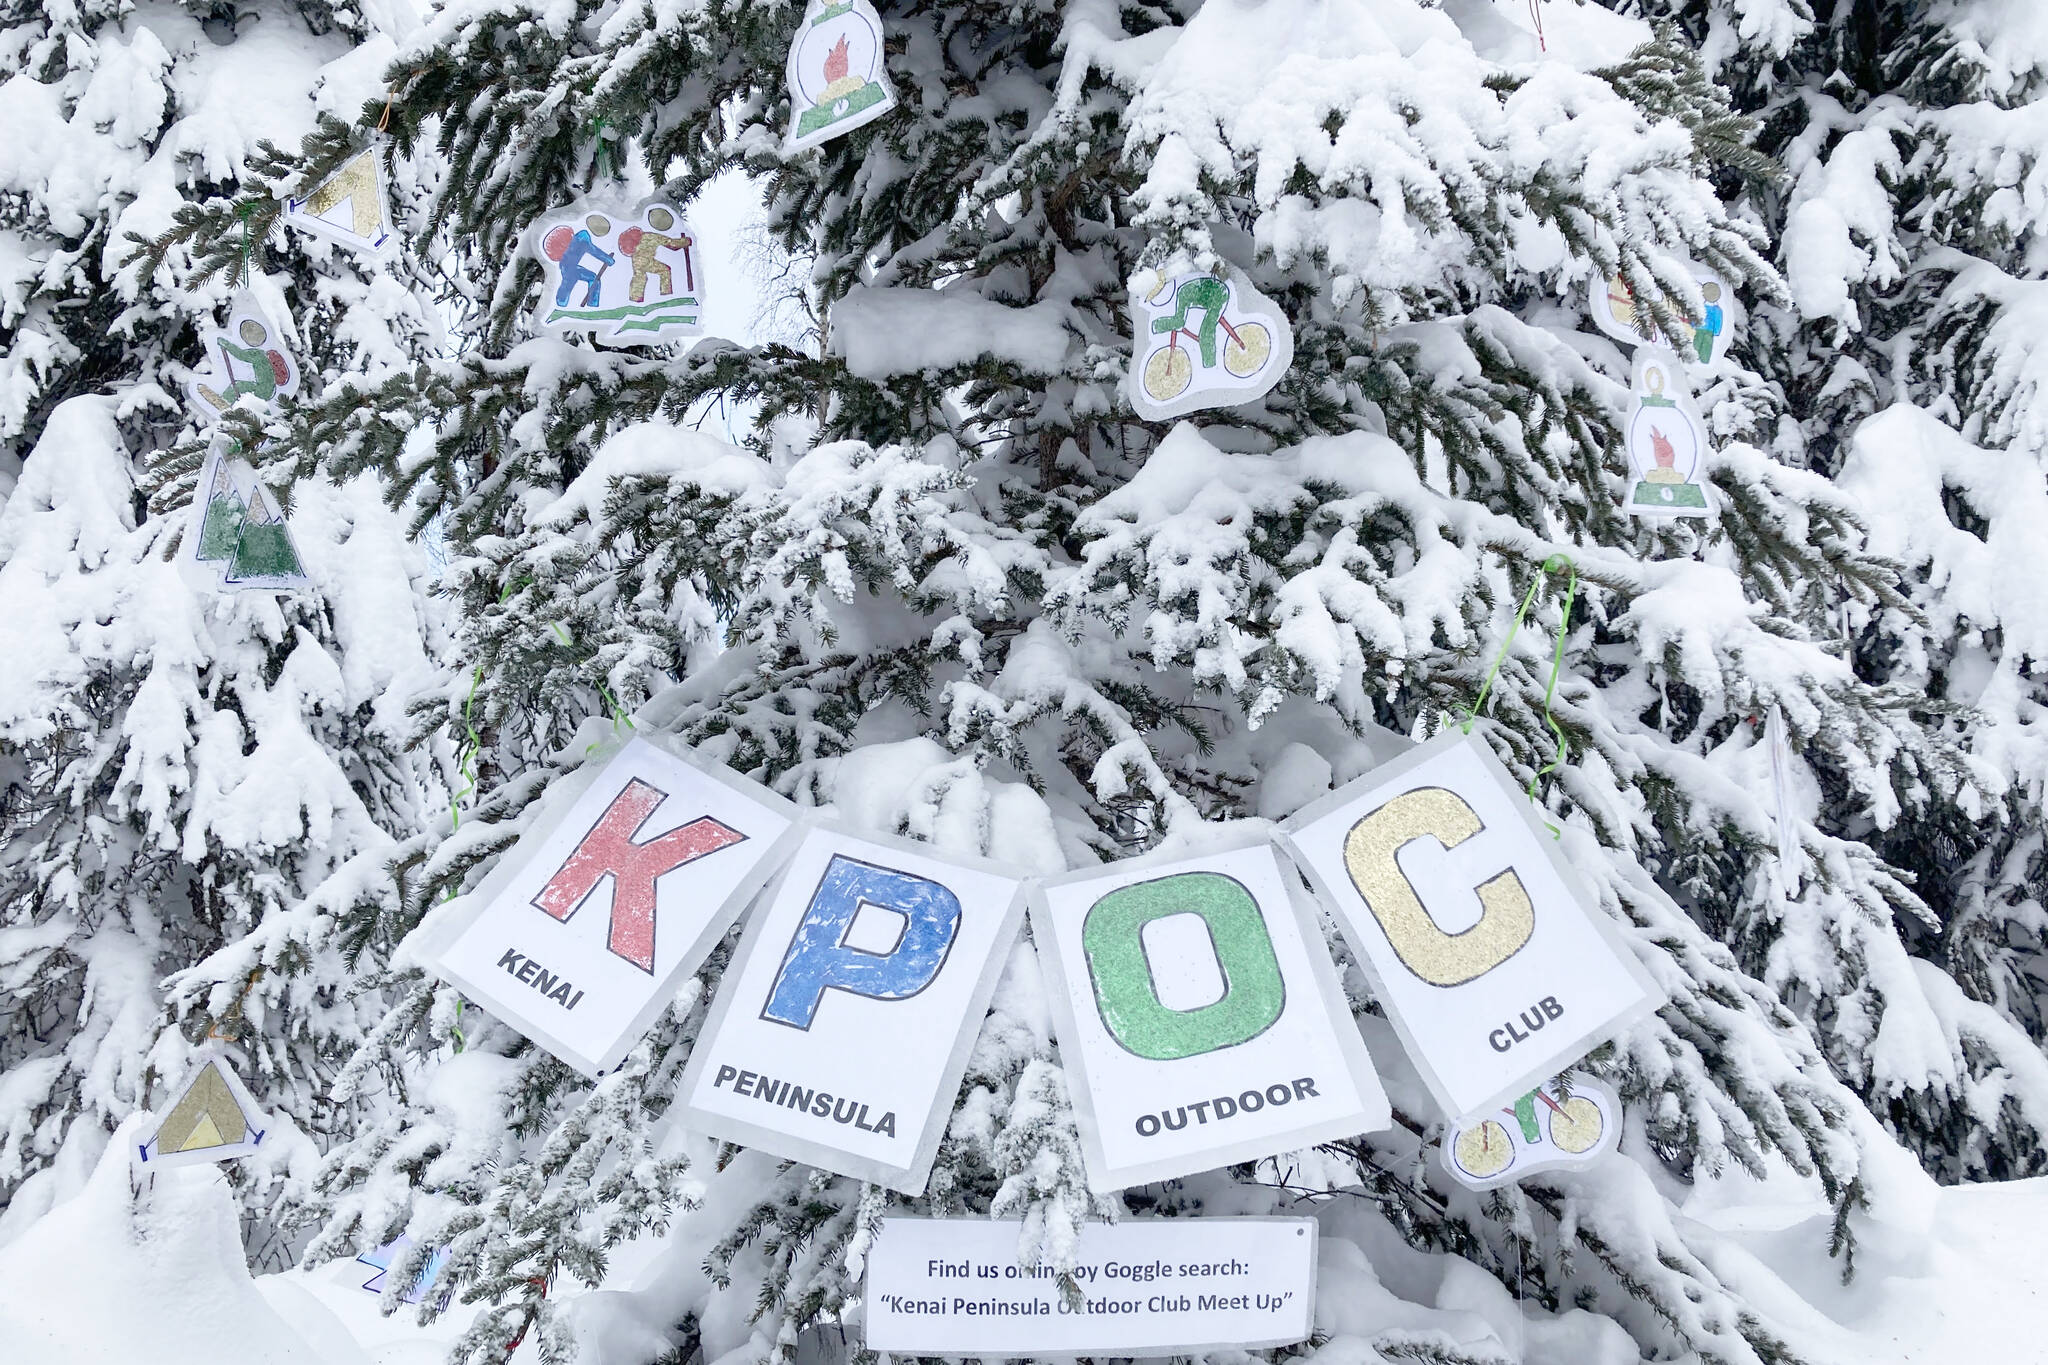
(887, 332)
(116, 1274)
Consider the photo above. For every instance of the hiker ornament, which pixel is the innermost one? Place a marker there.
(213, 1118)
(349, 207)
(248, 359)
(1618, 313)
(238, 540)
(1667, 443)
(836, 80)
(630, 278)
(1203, 341)
(1547, 1129)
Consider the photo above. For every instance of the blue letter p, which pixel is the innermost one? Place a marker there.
(820, 959)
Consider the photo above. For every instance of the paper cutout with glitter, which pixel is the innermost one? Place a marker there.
(1200, 1020)
(391, 1252)
(1202, 341)
(213, 1118)
(1493, 968)
(836, 79)
(238, 539)
(1618, 313)
(627, 276)
(246, 358)
(637, 867)
(1545, 1129)
(842, 1028)
(349, 207)
(1667, 443)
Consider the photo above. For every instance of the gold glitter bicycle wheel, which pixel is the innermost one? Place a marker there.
(1246, 355)
(1168, 374)
(1483, 1151)
(1579, 1127)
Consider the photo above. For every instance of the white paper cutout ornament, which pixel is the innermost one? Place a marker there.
(1203, 341)
(238, 539)
(213, 1118)
(382, 1259)
(247, 358)
(836, 79)
(1617, 312)
(349, 207)
(1541, 1131)
(1667, 443)
(630, 277)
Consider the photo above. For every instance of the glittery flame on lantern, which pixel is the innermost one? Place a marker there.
(838, 84)
(1667, 459)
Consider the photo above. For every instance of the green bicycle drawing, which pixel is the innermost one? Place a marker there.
(1246, 348)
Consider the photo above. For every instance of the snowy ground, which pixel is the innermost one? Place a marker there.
(117, 1275)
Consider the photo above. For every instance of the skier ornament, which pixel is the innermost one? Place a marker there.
(1203, 341)
(836, 80)
(1667, 444)
(247, 360)
(630, 278)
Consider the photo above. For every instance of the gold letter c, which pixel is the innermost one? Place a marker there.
(1507, 918)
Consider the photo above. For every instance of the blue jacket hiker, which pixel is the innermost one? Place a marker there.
(574, 253)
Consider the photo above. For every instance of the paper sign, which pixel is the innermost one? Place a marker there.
(633, 872)
(1545, 1129)
(238, 539)
(1150, 1287)
(348, 207)
(836, 80)
(1456, 900)
(1617, 313)
(844, 1023)
(1203, 341)
(1667, 444)
(1199, 1018)
(213, 1118)
(244, 358)
(628, 276)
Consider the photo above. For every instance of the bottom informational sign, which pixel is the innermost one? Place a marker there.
(1154, 1287)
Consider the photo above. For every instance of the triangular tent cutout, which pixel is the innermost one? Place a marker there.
(213, 1118)
(348, 207)
(382, 1259)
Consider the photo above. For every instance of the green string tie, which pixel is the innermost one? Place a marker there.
(248, 244)
(1550, 565)
(604, 151)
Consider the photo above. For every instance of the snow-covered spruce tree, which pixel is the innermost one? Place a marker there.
(956, 590)
(180, 770)
(1909, 232)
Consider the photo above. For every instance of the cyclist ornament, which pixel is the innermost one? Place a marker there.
(1667, 443)
(1203, 341)
(1546, 1129)
(630, 277)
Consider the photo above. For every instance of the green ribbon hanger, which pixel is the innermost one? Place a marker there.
(1549, 566)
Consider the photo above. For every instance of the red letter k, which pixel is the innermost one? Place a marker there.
(609, 851)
